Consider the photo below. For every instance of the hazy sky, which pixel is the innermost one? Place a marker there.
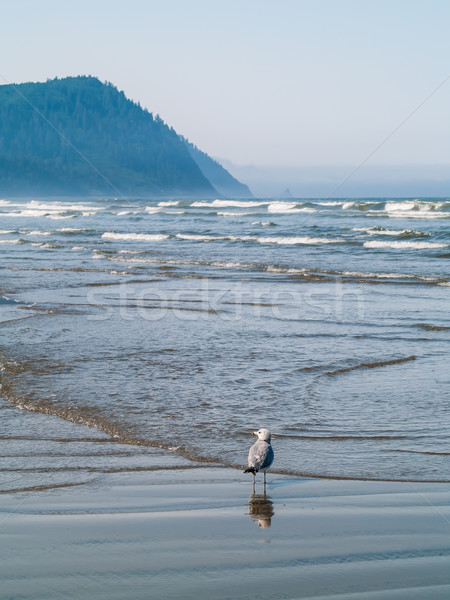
(280, 83)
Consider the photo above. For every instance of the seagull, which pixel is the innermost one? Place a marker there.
(260, 456)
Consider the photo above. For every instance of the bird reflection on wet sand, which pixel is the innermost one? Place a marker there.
(260, 509)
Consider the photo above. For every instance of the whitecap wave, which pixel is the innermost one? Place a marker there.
(61, 207)
(260, 240)
(230, 204)
(144, 237)
(423, 205)
(158, 261)
(416, 209)
(285, 207)
(45, 245)
(50, 210)
(200, 238)
(409, 214)
(405, 245)
(59, 216)
(297, 240)
(37, 232)
(229, 265)
(378, 275)
(396, 205)
(444, 204)
(202, 205)
(234, 214)
(306, 209)
(25, 213)
(393, 232)
(288, 270)
(238, 203)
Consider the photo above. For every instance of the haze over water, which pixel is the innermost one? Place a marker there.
(187, 324)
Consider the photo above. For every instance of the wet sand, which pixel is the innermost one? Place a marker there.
(201, 533)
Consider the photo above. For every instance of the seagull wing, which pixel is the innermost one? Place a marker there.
(260, 456)
(268, 460)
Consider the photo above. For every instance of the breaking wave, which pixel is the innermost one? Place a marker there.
(145, 237)
(406, 245)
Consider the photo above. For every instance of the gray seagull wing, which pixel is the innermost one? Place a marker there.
(260, 455)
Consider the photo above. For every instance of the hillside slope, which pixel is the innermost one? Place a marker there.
(78, 135)
(221, 179)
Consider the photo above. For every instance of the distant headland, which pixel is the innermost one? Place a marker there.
(79, 136)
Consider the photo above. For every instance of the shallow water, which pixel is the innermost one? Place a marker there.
(187, 325)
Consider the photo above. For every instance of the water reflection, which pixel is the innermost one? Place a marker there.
(260, 509)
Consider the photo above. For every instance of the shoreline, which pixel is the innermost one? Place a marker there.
(99, 435)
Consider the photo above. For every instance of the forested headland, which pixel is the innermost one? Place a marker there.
(78, 135)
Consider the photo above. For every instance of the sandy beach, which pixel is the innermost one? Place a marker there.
(200, 532)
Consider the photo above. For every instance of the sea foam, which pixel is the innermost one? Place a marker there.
(393, 232)
(234, 214)
(297, 240)
(200, 238)
(229, 204)
(405, 245)
(144, 237)
(283, 207)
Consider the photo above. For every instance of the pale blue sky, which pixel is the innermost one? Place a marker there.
(286, 83)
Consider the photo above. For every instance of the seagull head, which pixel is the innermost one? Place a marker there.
(263, 435)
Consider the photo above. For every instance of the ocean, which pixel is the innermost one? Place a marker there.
(181, 326)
